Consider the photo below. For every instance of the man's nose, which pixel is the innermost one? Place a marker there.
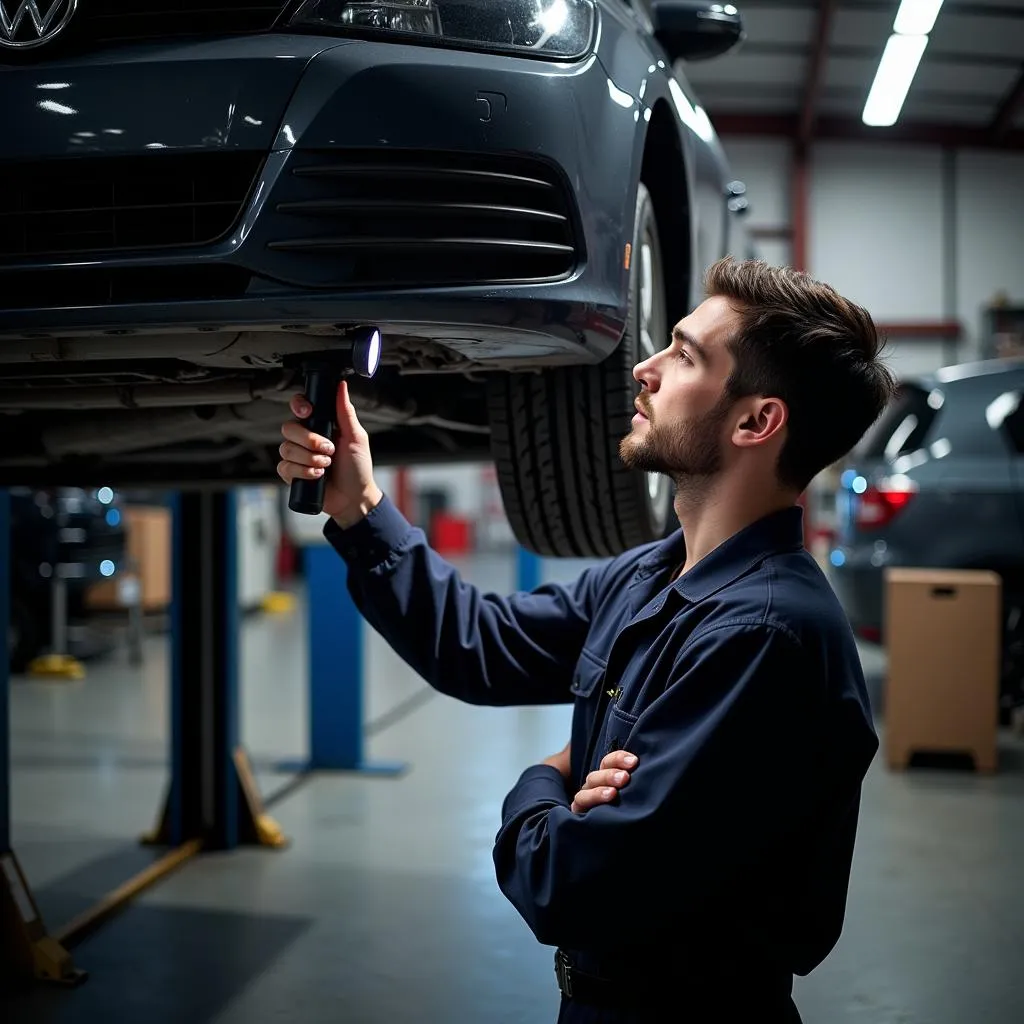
(645, 374)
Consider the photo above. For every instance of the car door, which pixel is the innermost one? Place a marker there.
(975, 472)
(1005, 416)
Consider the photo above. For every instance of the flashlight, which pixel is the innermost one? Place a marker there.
(323, 372)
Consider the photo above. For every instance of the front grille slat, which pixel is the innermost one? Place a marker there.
(119, 204)
(401, 244)
(423, 174)
(373, 218)
(327, 207)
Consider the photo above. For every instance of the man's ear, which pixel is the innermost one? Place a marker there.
(760, 422)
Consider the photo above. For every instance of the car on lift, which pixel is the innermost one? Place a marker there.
(522, 195)
(937, 483)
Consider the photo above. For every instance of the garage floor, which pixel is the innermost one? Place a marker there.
(385, 908)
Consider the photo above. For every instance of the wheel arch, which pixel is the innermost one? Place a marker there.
(662, 167)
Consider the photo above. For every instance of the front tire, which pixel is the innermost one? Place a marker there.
(555, 436)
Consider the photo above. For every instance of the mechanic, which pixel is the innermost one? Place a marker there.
(689, 851)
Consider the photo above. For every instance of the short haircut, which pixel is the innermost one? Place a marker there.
(799, 340)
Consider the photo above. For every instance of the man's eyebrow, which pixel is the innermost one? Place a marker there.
(685, 338)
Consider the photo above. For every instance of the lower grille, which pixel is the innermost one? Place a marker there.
(90, 286)
(378, 218)
(80, 205)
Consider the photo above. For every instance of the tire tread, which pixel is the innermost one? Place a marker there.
(555, 440)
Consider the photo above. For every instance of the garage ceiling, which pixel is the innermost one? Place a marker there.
(806, 66)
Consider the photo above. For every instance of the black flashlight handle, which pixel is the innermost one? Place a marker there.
(307, 496)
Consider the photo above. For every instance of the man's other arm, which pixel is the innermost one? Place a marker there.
(482, 648)
(727, 769)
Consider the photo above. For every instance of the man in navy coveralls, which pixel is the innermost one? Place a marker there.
(689, 851)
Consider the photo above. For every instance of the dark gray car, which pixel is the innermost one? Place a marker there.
(938, 483)
(521, 194)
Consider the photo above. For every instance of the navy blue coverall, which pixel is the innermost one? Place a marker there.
(722, 868)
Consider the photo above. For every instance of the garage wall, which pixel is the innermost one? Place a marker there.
(989, 231)
(875, 228)
(913, 233)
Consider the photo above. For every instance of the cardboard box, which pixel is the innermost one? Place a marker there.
(943, 634)
(149, 550)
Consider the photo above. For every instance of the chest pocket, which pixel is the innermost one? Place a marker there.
(586, 688)
(589, 672)
(617, 727)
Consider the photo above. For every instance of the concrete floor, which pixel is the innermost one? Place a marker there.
(384, 908)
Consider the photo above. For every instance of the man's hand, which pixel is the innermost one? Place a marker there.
(603, 785)
(351, 492)
(561, 761)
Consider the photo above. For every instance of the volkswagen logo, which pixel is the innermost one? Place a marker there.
(28, 23)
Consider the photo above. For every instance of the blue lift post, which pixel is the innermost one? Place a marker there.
(29, 952)
(528, 567)
(336, 667)
(212, 800)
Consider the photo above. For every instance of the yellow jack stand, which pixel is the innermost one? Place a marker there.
(34, 953)
(56, 666)
(256, 826)
(59, 664)
(278, 602)
(264, 831)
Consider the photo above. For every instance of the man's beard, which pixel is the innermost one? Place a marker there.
(688, 452)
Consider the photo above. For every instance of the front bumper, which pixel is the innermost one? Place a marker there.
(281, 154)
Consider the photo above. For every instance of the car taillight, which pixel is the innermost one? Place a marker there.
(880, 503)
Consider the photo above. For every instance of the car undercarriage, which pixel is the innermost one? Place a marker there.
(208, 407)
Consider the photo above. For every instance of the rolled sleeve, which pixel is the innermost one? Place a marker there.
(539, 786)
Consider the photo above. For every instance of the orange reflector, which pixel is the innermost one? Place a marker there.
(628, 253)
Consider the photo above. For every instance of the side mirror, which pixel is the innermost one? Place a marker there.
(695, 29)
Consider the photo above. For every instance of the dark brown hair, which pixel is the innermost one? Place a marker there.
(800, 341)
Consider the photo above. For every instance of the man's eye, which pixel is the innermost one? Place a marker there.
(684, 355)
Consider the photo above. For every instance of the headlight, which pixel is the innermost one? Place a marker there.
(546, 28)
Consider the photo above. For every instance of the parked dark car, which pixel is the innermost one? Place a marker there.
(79, 530)
(521, 194)
(938, 483)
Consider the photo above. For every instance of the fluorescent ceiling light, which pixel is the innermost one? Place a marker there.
(916, 17)
(895, 72)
